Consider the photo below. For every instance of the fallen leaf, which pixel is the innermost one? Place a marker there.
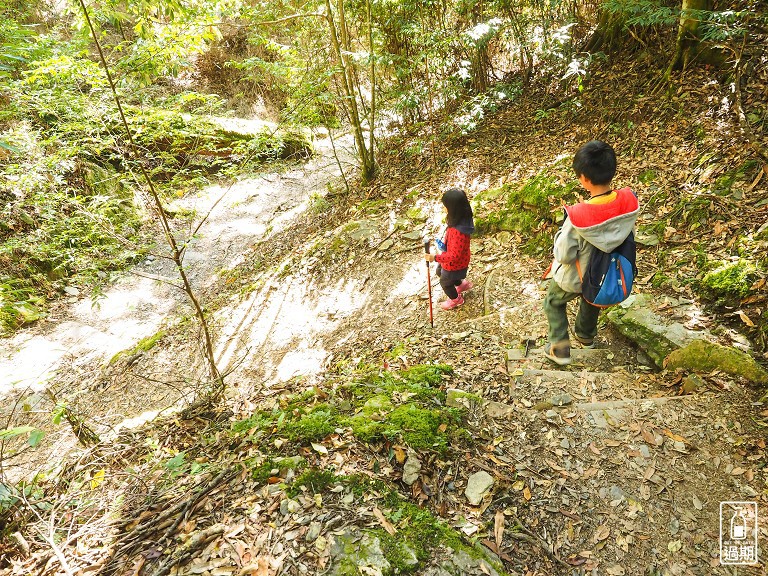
(469, 529)
(648, 436)
(319, 448)
(602, 532)
(589, 472)
(399, 454)
(138, 565)
(675, 437)
(498, 528)
(527, 493)
(649, 472)
(97, 479)
(386, 524)
(746, 319)
(756, 180)
(259, 568)
(697, 503)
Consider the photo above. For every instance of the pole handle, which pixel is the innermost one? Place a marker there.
(426, 246)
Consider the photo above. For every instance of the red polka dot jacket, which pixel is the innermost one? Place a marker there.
(456, 255)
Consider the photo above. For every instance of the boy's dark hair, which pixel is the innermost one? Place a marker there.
(597, 161)
(457, 203)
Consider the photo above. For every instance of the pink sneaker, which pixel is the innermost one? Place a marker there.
(465, 286)
(451, 304)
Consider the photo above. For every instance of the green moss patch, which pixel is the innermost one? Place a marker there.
(420, 535)
(708, 356)
(143, 345)
(730, 280)
(318, 423)
(725, 182)
(405, 406)
(313, 479)
(527, 210)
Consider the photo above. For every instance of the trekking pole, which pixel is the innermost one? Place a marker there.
(429, 285)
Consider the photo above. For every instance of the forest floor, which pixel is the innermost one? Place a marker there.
(336, 282)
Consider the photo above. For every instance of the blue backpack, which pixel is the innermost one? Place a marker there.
(608, 278)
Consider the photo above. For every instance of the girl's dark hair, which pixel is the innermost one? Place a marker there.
(457, 203)
(597, 161)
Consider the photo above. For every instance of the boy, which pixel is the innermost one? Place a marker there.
(604, 220)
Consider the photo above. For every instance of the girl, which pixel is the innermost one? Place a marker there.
(453, 263)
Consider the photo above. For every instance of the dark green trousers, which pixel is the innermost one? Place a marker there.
(555, 308)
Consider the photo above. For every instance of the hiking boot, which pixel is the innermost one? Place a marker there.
(451, 304)
(465, 286)
(585, 342)
(560, 355)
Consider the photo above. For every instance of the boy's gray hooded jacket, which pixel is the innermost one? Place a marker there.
(602, 225)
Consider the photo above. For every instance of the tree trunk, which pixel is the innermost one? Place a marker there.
(350, 89)
(687, 46)
(608, 29)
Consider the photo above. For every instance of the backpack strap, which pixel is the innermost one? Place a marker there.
(578, 267)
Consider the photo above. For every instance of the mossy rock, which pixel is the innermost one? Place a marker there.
(422, 545)
(143, 345)
(707, 356)
(463, 563)
(460, 399)
(189, 134)
(730, 280)
(527, 210)
(361, 230)
(353, 550)
(636, 319)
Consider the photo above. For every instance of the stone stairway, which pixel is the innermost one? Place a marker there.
(599, 389)
(599, 384)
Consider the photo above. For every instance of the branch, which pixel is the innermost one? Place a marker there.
(292, 17)
(175, 251)
(196, 541)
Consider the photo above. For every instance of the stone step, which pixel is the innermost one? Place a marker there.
(593, 359)
(519, 355)
(566, 376)
(611, 412)
(601, 415)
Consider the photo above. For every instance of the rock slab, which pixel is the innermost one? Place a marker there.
(478, 485)
(707, 356)
(637, 319)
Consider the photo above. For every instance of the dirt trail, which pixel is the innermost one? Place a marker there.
(83, 333)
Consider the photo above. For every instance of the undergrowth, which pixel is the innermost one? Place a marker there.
(69, 213)
(526, 210)
(407, 407)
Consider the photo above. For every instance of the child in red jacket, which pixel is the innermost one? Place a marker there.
(454, 262)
